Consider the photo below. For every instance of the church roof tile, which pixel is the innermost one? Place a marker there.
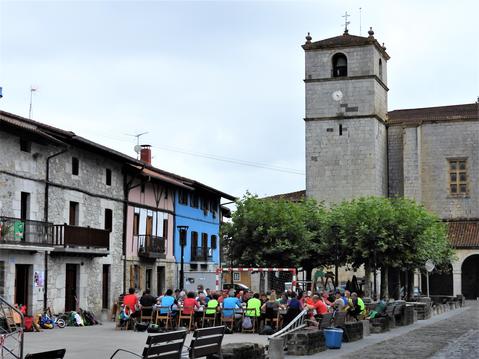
(464, 233)
(345, 40)
(416, 116)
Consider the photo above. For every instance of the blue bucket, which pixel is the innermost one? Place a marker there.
(333, 337)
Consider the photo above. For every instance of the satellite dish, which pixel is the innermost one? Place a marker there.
(429, 265)
(137, 148)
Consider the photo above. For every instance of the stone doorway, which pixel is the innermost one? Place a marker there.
(470, 277)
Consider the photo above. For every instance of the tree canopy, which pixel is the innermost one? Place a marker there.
(376, 232)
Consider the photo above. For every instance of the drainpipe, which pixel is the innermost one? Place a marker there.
(45, 217)
(126, 192)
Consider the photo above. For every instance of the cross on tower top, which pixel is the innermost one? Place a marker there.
(346, 22)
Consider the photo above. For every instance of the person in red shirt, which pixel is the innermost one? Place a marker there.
(131, 300)
(317, 304)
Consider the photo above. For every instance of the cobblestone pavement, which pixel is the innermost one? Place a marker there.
(455, 337)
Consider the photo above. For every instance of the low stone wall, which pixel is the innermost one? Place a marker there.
(353, 331)
(423, 310)
(379, 325)
(242, 351)
(408, 316)
(305, 342)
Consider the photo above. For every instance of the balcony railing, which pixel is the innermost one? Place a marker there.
(74, 236)
(201, 254)
(151, 247)
(25, 232)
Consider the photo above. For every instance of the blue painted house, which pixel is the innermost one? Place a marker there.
(200, 210)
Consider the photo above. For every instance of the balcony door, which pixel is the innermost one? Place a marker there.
(71, 287)
(105, 298)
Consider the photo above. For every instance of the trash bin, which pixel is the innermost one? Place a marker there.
(333, 337)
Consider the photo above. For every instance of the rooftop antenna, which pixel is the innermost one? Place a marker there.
(32, 90)
(346, 22)
(137, 147)
(360, 21)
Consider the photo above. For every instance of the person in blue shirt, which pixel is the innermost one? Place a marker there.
(229, 304)
(167, 301)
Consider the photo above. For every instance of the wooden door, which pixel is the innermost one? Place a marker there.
(105, 286)
(70, 287)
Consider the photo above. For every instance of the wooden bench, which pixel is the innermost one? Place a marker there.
(207, 341)
(161, 346)
(52, 354)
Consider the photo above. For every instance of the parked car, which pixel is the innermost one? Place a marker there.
(236, 286)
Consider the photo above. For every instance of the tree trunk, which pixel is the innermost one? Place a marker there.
(261, 282)
(410, 284)
(397, 283)
(384, 283)
(367, 280)
(309, 276)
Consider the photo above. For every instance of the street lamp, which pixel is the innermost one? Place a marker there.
(183, 230)
(335, 231)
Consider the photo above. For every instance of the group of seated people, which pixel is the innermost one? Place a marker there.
(277, 310)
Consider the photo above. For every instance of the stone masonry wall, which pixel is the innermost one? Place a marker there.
(439, 142)
(395, 161)
(347, 166)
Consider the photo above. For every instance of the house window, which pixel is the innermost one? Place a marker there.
(142, 187)
(136, 224)
(458, 177)
(214, 207)
(75, 166)
(380, 69)
(213, 242)
(205, 205)
(236, 276)
(108, 219)
(165, 229)
(25, 146)
(148, 276)
(194, 202)
(340, 65)
(73, 217)
(24, 205)
(183, 197)
(108, 177)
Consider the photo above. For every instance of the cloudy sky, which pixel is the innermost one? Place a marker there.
(217, 84)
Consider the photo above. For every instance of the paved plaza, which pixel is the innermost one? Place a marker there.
(453, 334)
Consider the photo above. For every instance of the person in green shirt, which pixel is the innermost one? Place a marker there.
(356, 306)
(212, 306)
(253, 308)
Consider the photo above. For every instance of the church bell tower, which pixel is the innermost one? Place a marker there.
(346, 109)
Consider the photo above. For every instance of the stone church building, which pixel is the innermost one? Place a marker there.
(356, 147)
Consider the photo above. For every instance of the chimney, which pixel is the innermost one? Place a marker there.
(145, 154)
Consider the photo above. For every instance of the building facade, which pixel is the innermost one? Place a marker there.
(199, 210)
(355, 147)
(61, 209)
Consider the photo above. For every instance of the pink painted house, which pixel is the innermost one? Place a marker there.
(150, 261)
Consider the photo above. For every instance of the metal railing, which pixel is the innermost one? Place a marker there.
(151, 246)
(201, 254)
(297, 323)
(25, 231)
(74, 236)
(11, 332)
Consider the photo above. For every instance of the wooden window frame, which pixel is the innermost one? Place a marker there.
(183, 197)
(75, 166)
(108, 176)
(108, 219)
(136, 224)
(457, 172)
